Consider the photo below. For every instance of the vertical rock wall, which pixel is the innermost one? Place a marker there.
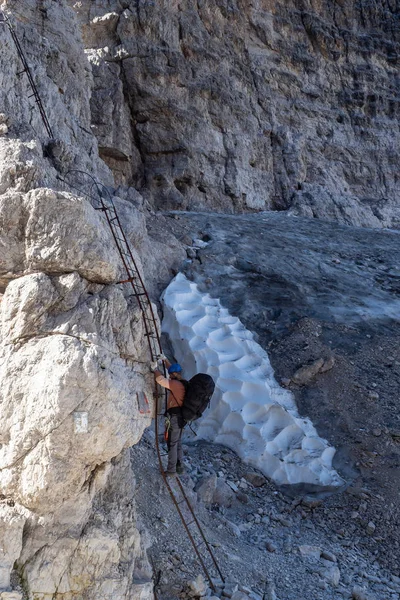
(72, 363)
(231, 104)
(72, 359)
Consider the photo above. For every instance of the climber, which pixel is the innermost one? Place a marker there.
(174, 421)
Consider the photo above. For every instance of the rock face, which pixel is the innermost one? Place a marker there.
(71, 369)
(236, 105)
(73, 364)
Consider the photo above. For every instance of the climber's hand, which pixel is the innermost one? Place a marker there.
(154, 366)
(161, 358)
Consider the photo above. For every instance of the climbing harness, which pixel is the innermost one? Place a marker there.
(102, 200)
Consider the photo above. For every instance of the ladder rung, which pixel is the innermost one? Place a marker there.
(190, 522)
(125, 280)
(135, 294)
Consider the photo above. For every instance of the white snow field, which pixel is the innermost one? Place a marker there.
(250, 413)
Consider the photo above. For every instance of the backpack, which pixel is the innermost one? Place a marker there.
(197, 397)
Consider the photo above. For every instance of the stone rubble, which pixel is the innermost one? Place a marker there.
(270, 547)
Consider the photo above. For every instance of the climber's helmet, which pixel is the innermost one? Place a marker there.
(175, 368)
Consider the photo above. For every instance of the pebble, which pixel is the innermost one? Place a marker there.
(270, 546)
(322, 584)
(198, 586)
(233, 486)
(359, 593)
(283, 521)
(311, 502)
(287, 546)
(332, 575)
(255, 479)
(239, 596)
(372, 578)
(328, 556)
(266, 520)
(242, 497)
(191, 252)
(229, 589)
(371, 528)
(234, 529)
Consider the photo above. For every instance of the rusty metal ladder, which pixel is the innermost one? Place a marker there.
(26, 69)
(102, 200)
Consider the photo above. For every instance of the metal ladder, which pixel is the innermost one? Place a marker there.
(26, 69)
(102, 200)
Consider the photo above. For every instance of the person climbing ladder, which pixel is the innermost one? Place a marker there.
(174, 420)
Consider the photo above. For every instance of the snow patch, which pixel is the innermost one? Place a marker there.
(250, 413)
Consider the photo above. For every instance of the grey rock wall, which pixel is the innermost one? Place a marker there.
(235, 104)
(73, 360)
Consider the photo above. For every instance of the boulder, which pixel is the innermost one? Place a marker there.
(312, 552)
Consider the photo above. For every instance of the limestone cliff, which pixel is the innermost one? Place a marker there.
(238, 104)
(73, 363)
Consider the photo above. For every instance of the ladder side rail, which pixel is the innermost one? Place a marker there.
(206, 542)
(149, 319)
(139, 300)
(28, 72)
(141, 282)
(172, 494)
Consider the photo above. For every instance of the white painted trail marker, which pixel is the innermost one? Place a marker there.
(80, 422)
